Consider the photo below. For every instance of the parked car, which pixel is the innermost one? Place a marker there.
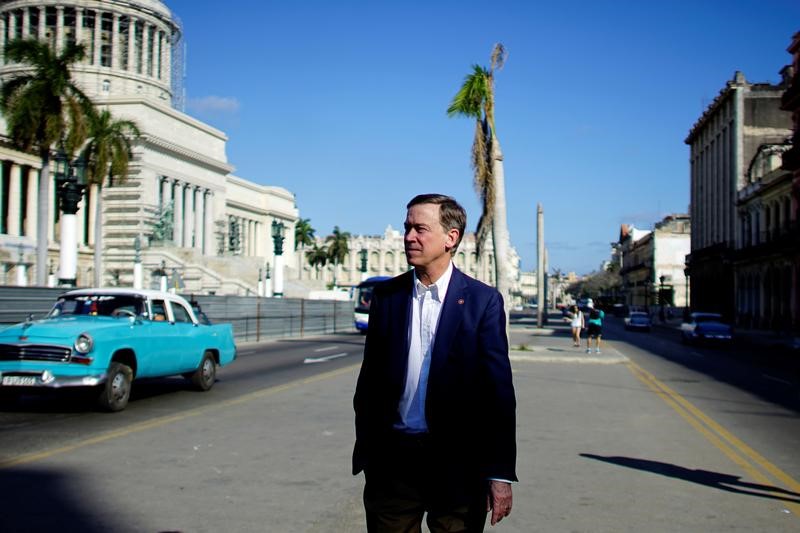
(105, 339)
(706, 327)
(638, 321)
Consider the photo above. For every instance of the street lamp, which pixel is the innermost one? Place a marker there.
(278, 231)
(363, 256)
(70, 184)
(267, 286)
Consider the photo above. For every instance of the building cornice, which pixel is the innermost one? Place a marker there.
(164, 145)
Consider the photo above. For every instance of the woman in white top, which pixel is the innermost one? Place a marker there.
(577, 325)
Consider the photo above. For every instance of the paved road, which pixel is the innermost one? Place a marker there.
(645, 437)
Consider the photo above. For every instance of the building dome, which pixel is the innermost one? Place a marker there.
(132, 46)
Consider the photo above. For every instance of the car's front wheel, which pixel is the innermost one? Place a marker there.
(203, 378)
(116, 391)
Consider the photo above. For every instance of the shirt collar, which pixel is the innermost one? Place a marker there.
(438, 289)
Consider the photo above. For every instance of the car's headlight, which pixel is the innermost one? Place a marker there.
(84, 343)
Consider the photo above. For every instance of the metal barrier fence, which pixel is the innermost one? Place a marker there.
(253, 319)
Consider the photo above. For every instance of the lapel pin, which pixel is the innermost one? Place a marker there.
(461, 301)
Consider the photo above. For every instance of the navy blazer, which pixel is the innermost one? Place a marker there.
(470, 404)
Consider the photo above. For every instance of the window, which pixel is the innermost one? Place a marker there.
(159, 308)
(180, 313)
(106, 86)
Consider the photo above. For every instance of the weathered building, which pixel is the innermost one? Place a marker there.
(790, 103)
(723, 142)
(653, 263)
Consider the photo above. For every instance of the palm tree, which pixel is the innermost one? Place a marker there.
(475, 100)
(303, 236)
(108, 154)
(42, 107)
(303, 233)
(317, 258)
(337, 248)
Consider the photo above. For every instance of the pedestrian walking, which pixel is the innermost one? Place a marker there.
(594, 328)
(577, 324)
(434, 403)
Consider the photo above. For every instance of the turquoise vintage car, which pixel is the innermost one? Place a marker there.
(106, 338)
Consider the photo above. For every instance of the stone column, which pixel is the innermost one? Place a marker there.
(80, 221)
(51, 213)
(188, 219)
(42, 27)
(79, 25)
(59, 29)
(93, 192)
(167, 76)
(198, 218)
(178, 228)
(146, 52)
(166, 191)
(3, 39)
(26, 22)
(32, 202)
(115, 55)
(14, 199)
(208, 243)
(154, 53)
(12, 28)
(131, 66)
(98, 17)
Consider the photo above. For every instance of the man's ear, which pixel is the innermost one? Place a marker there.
(452, 238)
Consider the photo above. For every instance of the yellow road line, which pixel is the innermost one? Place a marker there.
(161, 421)
(734, 448)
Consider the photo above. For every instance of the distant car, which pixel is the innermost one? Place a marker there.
(706, 327)
(106, 338)
(637, 321)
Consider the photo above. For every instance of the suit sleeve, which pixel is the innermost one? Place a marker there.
(499, 398)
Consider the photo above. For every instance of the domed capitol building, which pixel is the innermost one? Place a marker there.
(181, 210)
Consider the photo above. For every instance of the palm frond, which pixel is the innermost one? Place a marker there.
(499, 56)
(468, 101)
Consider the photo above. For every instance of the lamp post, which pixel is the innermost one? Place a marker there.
(260, 286)
(70, 184)
(278, 230)
(137, 263)
(363, 256)
(267, 281)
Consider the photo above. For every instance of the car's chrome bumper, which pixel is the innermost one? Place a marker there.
(46, 379)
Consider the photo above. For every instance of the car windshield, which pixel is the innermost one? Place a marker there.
(96, 305)
(708, 318)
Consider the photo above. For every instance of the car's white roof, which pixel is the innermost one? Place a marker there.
(126, 291)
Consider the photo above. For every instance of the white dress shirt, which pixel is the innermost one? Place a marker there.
(426, 308)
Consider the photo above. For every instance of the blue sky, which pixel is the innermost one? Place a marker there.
(343, 103)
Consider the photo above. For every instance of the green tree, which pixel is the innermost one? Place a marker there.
(475, 99)
(43, 106)
(317, 258)
(337, 248)
(108, 154)
(303, 233)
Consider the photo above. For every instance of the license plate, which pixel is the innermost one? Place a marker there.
(19, 381)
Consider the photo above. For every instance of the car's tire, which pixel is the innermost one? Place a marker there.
(206, 374)
(116, 391)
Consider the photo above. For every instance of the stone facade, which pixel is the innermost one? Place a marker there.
(217, 225)
(723, 142)
(653, 263)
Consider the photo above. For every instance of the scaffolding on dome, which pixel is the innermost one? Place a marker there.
(178, 73)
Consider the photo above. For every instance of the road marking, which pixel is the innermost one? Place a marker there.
(324, 359)
(326, 349)
(164, 420)
(734, 448)
(518, 357)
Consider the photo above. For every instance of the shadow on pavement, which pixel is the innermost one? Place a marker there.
(716, 480)
(41, 500)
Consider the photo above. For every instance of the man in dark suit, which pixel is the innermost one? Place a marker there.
(434, 403)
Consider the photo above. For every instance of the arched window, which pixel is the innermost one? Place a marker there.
(106, 86)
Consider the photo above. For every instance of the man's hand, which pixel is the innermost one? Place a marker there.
(499, 500)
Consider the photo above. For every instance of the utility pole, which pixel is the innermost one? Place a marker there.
(540, 288)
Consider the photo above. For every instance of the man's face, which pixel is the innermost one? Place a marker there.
(426, 241)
